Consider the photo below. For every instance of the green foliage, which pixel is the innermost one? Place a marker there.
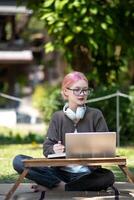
(97, 38)
(108, 108)
(48, 100)
(129, 125)
(89, 33)
(20, 136)
(21, 139)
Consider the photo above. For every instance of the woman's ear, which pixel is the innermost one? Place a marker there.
(65, 94)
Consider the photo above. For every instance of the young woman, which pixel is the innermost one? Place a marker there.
(75, 117)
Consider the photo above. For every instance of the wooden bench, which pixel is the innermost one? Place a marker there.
(41, 162)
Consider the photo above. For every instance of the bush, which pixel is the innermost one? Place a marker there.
(129, 123)
(13, 136)
(126, 114)
(19, 139)
(48, 100)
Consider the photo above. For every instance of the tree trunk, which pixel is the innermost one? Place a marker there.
(81, 59)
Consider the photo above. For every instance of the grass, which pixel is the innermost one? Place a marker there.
(127, 152)
(8, 152)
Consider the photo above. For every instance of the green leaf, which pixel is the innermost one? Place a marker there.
(77, 29)
(109, 20)
(90, 30)
(127, 13)
(51, 20)
(68, 39)
(93, 43)
(93, 10)
(60, 24)
(83, 11)
(77, 3)
(48, 3)
(104, 26)
(59, 5)
(49, 47)
(70, 6)
(46, 15)
(86, 19)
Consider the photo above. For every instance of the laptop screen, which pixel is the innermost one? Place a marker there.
(90, 144)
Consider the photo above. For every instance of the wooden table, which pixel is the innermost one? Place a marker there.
(41, 162)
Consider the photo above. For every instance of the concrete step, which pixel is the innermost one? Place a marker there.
(24, 192)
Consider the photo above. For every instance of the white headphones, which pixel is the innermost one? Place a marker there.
(79, 114)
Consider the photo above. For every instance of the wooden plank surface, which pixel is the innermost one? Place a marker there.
(82, 161)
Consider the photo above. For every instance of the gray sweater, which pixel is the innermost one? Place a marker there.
(60, 124)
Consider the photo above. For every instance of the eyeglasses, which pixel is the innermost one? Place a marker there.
(79, 91)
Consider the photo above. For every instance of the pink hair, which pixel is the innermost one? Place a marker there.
(70, 79)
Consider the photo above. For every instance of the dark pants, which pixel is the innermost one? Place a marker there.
(98, 179)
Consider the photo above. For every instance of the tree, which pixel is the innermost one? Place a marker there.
(95, 36)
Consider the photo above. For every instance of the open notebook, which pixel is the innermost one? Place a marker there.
(88, 145)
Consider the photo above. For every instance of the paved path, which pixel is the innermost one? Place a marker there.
(24, 192)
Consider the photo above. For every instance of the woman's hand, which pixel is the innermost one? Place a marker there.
(58, 148)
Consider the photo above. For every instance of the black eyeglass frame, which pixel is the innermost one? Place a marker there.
(75, 90)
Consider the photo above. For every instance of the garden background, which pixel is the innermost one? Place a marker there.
(94, 37)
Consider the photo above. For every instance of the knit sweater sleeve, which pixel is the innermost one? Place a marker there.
(100, 124)
(52, 137)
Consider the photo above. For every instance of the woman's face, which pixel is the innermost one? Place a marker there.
(77, 93)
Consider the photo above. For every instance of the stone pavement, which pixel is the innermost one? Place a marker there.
(24, 192)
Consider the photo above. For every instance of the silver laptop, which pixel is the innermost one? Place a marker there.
(90, 144)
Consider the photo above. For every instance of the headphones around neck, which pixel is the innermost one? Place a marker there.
(79, 114)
